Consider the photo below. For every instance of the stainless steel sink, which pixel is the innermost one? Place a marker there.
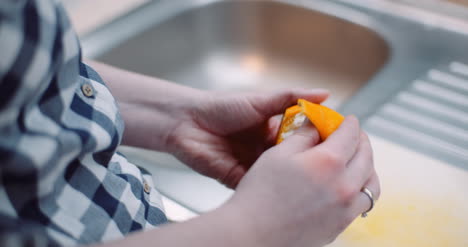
(378, 61)
(238, 45)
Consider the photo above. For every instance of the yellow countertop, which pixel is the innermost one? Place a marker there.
(423, 203)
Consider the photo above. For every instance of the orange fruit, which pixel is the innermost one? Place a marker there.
(325, 120)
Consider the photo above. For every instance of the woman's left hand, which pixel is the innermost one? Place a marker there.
(217, 134)
(226, 133)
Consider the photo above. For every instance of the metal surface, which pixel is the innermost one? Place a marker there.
(430, 115)
(236, 45)
(369, 194)
(367, 55)
(434, 13)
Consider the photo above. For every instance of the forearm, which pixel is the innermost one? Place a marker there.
(150, 107)
(221, 227)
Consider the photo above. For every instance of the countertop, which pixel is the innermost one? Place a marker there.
(422, 201)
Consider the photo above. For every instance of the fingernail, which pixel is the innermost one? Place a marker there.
(352, 116)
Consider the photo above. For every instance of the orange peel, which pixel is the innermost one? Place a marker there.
(325, 120)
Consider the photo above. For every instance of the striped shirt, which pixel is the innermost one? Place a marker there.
(61, 180)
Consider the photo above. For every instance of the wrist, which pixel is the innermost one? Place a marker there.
(220, 227)
(151, 118)
(238, 227)
(150, 107)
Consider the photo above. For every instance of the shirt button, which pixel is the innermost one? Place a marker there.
(146, 187)
(87, 90)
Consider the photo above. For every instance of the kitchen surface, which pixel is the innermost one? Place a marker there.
(400, 66)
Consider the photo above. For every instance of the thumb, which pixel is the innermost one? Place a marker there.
(276, 102)
(301, 140)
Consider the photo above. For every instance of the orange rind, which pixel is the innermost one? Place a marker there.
(325, 120)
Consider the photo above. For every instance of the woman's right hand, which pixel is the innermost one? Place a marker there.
(296, 194)
(299, 193)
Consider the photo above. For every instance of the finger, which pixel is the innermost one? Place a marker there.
(344, 142)
(374, 184)
(303, 138)
(273, 126)
(361, 166)
(276, 102)
(233, 177)
(362, 203)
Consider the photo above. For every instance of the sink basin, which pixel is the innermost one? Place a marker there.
(244, 45)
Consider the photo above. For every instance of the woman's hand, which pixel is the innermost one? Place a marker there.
(303, 194)
(217, 134)
(296, 194)
(225, 134)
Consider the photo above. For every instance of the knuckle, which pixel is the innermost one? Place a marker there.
(330, 157)
(328, 169)
(345, 194)
(288, 96)
(331, 160)
(232, 178)
(305, 136)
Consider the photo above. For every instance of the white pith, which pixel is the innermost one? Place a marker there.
(298, 121)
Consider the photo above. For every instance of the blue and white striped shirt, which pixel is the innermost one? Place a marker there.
(60, 176)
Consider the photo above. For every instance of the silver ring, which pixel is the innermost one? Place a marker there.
(369, 194)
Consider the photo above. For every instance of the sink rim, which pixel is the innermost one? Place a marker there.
(151, 14)
(321, 52)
